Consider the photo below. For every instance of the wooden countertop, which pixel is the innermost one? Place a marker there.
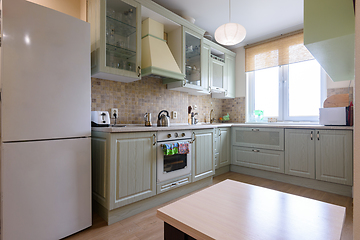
(235, 210)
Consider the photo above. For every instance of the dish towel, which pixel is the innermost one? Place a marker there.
(183, 148)
(170, 148)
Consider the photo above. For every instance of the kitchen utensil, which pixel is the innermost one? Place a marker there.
(100, 119)
(189, 109)
(163, 120)
(147, 119)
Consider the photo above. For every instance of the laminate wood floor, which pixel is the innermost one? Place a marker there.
(147, 226)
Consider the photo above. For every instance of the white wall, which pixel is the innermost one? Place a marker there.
(75, 8)
(343, 84)
(356, 188)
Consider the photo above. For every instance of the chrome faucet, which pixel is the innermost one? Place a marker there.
(211, 119)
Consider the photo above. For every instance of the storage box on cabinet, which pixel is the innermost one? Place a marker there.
(322, 154)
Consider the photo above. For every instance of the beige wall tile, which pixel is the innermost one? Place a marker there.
(149, 95)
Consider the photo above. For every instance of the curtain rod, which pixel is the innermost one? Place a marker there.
(274, 38)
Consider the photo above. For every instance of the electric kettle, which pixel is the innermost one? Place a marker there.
(163, 120)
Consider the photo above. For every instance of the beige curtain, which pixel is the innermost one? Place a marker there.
(276, 52)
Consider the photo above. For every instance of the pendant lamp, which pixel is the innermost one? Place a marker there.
(230, 33)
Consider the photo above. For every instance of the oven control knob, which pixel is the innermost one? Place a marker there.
(176, 135)
(169, 135)
(183, 134)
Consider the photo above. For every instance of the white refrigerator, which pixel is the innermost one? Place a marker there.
(45, 123)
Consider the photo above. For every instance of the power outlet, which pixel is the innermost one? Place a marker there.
(113, 112)
(174, 115)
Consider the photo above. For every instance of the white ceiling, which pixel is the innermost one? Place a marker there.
(262, 19)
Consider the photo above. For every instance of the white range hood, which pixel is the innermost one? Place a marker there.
(156, 57)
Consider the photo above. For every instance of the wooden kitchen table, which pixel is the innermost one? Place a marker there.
(235, 210)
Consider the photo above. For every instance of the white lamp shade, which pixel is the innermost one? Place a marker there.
(230, 34)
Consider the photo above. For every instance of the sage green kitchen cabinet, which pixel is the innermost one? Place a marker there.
(264, 159)
(261, 148)
(115, 39)
(191, 62)
(229, 83)
(224, 146)
(123, 167)
(264, 138)
(329, 34)
(221, 71)
(300, 152)
(319, 154)
(334, 158)
(203, 161)
(216, 147)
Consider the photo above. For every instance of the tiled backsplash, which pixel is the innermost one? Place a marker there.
(149, 95)
(334, 91)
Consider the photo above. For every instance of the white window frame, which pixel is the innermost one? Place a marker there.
(283, 96)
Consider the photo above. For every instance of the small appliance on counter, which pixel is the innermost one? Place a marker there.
(147, 119)
(100, 119)
(163, 120)
(337, 116)
(336, 111)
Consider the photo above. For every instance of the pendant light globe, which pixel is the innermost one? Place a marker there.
(230, 34)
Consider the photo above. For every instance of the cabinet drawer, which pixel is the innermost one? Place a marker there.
(263, 159)
(174, 183)
(265, 138)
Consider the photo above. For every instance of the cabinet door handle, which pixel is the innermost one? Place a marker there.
(139, 71)
(255, 129)
(311, 135)
(318, 135)
(255, 150)
(193, 138)
(219, 133)
(154, 139)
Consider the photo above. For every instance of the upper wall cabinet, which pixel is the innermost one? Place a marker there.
(329, 34)
(221, 71)
(115, 39)
(196, 82)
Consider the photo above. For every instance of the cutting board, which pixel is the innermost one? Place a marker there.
(338, 100)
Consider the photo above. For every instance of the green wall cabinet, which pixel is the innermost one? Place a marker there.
(329, 34)
(115, 39)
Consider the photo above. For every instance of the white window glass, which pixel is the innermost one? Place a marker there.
(304, 89)
(266, 97)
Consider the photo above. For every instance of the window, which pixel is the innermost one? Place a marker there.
(283, 82)
(292, 92)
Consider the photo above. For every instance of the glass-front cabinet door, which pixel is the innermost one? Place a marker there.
(115, 39)
(192, 58)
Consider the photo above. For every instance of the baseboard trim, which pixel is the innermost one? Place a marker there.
(222, 170)
(340, 189)
(121, 213)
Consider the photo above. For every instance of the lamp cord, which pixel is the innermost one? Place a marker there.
(229, 11)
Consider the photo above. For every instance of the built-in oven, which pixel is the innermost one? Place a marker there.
(173, 167)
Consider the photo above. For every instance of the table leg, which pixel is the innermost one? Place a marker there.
(172, 233)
